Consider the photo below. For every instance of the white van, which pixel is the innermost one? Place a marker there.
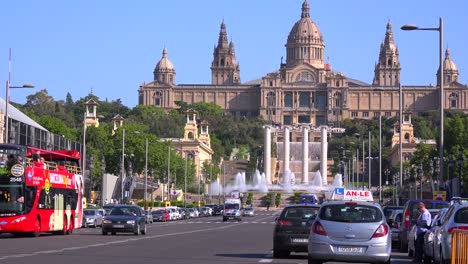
(232, 210)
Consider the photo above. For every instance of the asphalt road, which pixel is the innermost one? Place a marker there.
(203, 240)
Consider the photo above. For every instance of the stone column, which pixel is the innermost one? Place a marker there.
(267, 154)
(305, 155)
(323, 157)
(286, 150)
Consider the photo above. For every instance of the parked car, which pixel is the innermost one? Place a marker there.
(149, 217)
(249, 211)
(388, 210)
(429, 237)
(455, 219)
(410, 215)
(92, 217)
(412, 234)
(292, 229)
(191, 213)
(158, 215)
(394, 221)
(124, 219)
(348, 231)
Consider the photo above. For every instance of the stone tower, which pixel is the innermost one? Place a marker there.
(224, 68)
(164, 71)
(204, 135)
(191, 128)
(387, 70)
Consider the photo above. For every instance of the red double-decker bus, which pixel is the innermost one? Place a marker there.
(40, 190)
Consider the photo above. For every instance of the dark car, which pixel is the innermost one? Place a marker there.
(124, 219)
(411, 214)
(388, 210)
(292, 228)
(159, 215)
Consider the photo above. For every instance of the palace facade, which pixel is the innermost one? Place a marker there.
(305, 89)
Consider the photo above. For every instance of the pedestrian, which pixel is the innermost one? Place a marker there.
(166, 216)
(268, 207)
(424, 221)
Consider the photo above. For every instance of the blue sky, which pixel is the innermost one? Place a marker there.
(111, 47)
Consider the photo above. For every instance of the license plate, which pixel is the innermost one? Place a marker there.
(350, 249)
(118, 226)
(300, 240)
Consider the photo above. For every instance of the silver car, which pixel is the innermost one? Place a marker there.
(456, 218)
(92, 217)
(350, 231)
(394, 222)
(249, 211)
(429, 236)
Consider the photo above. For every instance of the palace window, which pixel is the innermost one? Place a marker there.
(388, 114)
(304, 119)
(287, 120)
(288, 100)
(453, 100)
(304, 99)
(365, 114)
(376, 114)
(354, 114)
(158, 98)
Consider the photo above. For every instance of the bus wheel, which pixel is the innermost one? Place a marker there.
(37, 228)
(70, 230)
(64, 230)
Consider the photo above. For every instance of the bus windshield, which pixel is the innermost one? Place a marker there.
(11, 199)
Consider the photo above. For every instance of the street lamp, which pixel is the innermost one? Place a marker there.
(460, 163)
(7, 102)
(440, 29)
(122, 167)
(146, 174)
(103, 169)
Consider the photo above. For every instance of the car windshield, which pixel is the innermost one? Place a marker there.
(299, 212)
(249, 209)
(352, 213)
(88, 212)
(231, 206)
(124, 211)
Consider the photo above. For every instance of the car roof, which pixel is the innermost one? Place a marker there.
(356, 202)
(301, 205)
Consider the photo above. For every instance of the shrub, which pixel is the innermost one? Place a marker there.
(278, 199)
(249, 199)
(268, 199)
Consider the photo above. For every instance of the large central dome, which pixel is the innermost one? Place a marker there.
(305, 42)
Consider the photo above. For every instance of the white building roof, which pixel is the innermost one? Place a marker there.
(16, 114)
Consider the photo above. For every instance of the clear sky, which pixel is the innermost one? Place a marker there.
(111, 47)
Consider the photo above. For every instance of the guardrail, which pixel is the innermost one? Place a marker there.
(459, 247)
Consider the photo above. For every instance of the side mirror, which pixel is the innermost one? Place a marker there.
(276, 219)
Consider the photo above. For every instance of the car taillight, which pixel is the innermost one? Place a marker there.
(318, 229)
(450, 230)
(381, 231)
(407, 216)
(283, 223)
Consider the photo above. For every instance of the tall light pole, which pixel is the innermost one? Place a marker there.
(7, 97)
(440, 29)
(122, 167)
(380, 159)
(146, 174)
(185, 180)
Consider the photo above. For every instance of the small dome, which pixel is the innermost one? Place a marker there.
(449, 65)
(164, 64)
(305, 30)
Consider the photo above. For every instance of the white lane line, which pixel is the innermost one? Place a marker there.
(109, 243)
(265, 261)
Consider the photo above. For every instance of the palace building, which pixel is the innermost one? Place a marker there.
(305, 89)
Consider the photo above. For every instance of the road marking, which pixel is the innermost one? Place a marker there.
(265, 261)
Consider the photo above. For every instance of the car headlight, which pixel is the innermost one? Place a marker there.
(430, 237)
(17, 220)
(89, 219)
(132, 222)
(107, 222)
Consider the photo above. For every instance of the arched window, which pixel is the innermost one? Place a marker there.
(407, 137)
(389, 62)
(337, 97)
(222, 62)
(190, 135)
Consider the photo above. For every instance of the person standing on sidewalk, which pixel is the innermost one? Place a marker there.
(422, 223)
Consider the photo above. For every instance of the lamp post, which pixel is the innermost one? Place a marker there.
(7, 97)
(460, 163)
(440, 29)
(146, 174)
(103, 170)
(450, 165)
(122, 167)
(185, 178)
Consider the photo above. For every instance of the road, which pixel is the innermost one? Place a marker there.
(203, 240)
